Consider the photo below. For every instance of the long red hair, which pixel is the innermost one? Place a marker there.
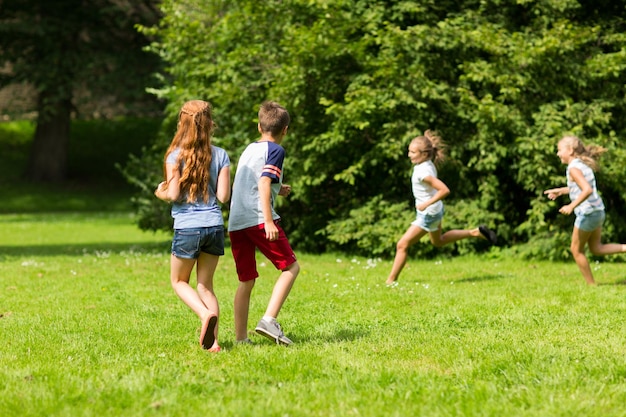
(193, 138)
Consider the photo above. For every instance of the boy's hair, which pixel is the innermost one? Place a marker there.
(193, 137)
(588, 154)
(431, 144)
(273, 118)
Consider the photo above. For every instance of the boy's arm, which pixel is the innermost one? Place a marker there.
(265, 197)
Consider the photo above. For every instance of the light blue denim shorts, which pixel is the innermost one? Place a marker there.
(590, 221)
(428, 222)
(188, 243)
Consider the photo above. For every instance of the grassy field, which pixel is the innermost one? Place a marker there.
(94, 183)
(89, 326)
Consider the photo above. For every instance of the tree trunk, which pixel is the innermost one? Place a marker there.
(48, 155)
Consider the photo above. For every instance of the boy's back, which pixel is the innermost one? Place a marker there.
(262, 158)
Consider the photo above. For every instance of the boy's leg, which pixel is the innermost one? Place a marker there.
(281, 289)
(243, 250)
(281, 255)
(268, 326)
(241, 308)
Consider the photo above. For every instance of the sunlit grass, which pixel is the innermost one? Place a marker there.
(90, 326)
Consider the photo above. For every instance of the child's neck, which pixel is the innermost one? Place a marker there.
(267, 137)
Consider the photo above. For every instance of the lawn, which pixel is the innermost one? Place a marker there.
(89, 326)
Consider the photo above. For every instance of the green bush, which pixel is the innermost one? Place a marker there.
(360, 78)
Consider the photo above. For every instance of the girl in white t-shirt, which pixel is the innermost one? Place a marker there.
(424, 152)
(585, 203)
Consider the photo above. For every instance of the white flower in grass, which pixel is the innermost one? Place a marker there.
(339, 261)
(335, 286)
(371, 263)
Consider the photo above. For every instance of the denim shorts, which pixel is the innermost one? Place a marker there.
(188, 243)
(590, 221)
(428, 222)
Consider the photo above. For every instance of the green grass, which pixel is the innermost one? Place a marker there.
(90, 326)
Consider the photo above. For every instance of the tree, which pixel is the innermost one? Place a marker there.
(72, 49)
(501, 80)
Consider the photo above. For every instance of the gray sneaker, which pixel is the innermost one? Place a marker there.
(272, 331)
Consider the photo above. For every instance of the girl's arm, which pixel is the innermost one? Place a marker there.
(223, 185)
(553, 193)
(442, 192)
(585, 190)
(169, 190)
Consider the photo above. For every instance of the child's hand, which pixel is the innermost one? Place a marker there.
(552, 194)
(566, 209)
(285, 190)
(160, 188)
(271, 231)
(421, 207)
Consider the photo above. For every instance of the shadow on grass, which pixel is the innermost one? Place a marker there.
(484, 278)
(620, 282)
(80, 249)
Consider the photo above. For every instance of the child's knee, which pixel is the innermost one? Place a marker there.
(294, 268)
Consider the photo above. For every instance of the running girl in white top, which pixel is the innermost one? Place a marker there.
(585, 203)
(428, 190)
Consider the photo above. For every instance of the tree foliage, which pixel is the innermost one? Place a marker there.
(72, 49)
(501, 80)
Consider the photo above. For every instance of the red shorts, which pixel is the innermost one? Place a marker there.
(244, 243)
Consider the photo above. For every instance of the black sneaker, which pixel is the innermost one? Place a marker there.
(489, 234)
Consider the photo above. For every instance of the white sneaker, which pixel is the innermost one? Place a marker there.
(272, 331)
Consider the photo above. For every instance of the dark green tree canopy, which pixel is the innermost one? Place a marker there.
(73, 49)
(501, 81)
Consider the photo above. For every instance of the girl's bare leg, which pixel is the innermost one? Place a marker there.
(598, 248)
(579, 241)
(450, 236)
(180, 271)
(205, 271)
(410, 237)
